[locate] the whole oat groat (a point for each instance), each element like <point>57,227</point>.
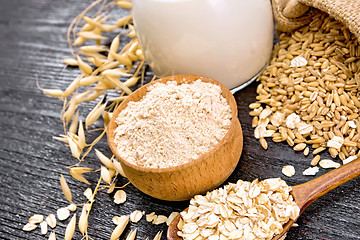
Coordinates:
<point>245,210</point>
<point>309,93</point>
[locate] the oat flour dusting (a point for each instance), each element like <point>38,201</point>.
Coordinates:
<point>172,124</point>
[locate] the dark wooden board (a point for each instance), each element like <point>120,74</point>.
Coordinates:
<point>32,43</point>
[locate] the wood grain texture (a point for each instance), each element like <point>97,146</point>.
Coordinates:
<point>33,42</point>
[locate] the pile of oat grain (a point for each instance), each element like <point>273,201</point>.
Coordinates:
<point>172,124</point>
<point>309,94</point>
<point>243,210</point>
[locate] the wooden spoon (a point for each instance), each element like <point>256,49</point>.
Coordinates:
<point>304,194</point>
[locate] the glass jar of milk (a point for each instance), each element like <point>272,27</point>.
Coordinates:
<point>227,40</point>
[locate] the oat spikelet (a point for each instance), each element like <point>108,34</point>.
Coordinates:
<point>132,234</point>
<point>74,123</point>
<point>86,81</point>
<point>53,92</point>
<point>65,188</point>
<point>123,21</point>
<point>158,236</point>
<point>124,4</point>
<point>52,236</point>
<point>119,84</point>
<point>75,151</point>
<point>105,174</point>
<point>70,229</point>
<point>113,47</point>
<point>71,62</point>
<point>131,81</point>
<point>104,160</point>
<point>94,114</point>
<point>69,113</point>
<point>83,221</point>
<point>71,88</point>
<point>84,67</point>
<point>76,172</point>
<point>119,229</point>
<point>119,168</point>
<point>81,134</point>
<point>117,72</point>
<point>93,48</point>
<point>122,59</point>
<point>111,188</point>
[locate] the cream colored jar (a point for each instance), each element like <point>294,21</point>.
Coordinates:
<point>227,40</point>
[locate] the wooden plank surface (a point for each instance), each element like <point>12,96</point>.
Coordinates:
<point>32,44</point>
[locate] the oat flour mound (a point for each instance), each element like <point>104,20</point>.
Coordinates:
<point>172,124</point>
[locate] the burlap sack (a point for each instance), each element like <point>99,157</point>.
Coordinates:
<point>292,14</point>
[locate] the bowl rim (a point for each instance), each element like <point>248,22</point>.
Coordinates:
<point>186,78</point>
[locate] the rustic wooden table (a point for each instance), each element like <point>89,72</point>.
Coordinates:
<point>32,43</point>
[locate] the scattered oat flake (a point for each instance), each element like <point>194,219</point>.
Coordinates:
<point>298,61</point>
<point>118,220</point>
<point>120,197</point>
<point>171,217</point>
<point>349,159</point>
<point>160,219</point>
<point>292,120</point>
<point>304,128</point>
<point>136,215</point>
<point>51,220</point>
<point>327,163</point>
<point>37,218</point>
<point>233,213</point>
<point>265,113</point>
<point>352,124</point>
<point>44,227</point>
<point>335,142</point>
<point>288,170</point>
<point>29,227</point>
<point>311,171</point>
<point>150,217</point>
<point>62,213</point>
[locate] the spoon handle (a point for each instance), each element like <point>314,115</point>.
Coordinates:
<point>306,193</point>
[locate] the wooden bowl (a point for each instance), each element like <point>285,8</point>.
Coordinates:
<point>198,176</point>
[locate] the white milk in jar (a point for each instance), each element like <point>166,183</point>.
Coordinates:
<point>227,40</point>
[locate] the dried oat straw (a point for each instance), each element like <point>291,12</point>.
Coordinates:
<point>194,116</point>
<point>245,210</point>
<point>309,94</point>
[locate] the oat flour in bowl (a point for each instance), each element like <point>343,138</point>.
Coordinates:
<point>172,124</point>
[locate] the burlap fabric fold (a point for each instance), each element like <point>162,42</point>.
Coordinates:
<point>292,14</point>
